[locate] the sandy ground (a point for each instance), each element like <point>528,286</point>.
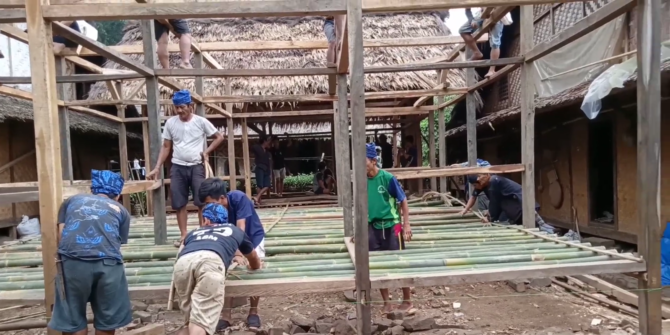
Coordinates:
<point>487,308</point>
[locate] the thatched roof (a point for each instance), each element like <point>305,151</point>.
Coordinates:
<point>568,97</point>
<point>22,110</point>
<point>304,29</point>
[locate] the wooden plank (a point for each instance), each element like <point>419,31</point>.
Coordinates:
<point>101,49</point>
<point>617,292</point>
<point>343,54</point>
<point>422,66</point>
<point>75,78</point>
<point>501,274</point>
<point>442,146</point>
<point>582,27</point>
<point>245,156</point>
<point>47,141</point>
<point>431,148</point>
<point>351,248</point>
<point>123,143</point>
<point>199,83</point>
<point>154,130</point>
<point>595,297</point>
<point>460,171</point>
<point>150,329</point>
<point>64,122</point>
<point>17,160</point>
<point>343,157</point>
<point>649,162</point>
<point>147,158</point>
<point>471,115</point>
<point>230,124</point>
<point>13,15</point>
<point>527,102</point>
<point>16,197</point>
<point>244,72</point>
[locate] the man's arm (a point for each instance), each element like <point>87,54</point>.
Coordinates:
<point>218,139</point>
<point>254,260</point>
<point>241,223</point>
<point>468,206</point>
<point>165,152</point>
<point>468,14</point>
<point>397,193</point>
<point>124,227</point>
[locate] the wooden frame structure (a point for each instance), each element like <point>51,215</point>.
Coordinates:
<point>51,134</point>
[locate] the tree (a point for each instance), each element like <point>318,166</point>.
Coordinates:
<point>109,32</point>
<point>425,149</point>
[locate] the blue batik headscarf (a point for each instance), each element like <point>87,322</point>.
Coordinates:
<point>106,182</point>
<point>182,97</point>
<point>215,213</point>
<point>371,151</point>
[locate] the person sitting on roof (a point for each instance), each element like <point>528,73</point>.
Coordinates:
<point>482,203</point>
<point>474,23</point>
<point>162,34</point>
<point>331,36</point>
<point>324,182</point>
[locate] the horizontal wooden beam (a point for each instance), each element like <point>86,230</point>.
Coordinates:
<point>458,171</point>
<point>22,195</point>
<point>442,66</point>
<point>582,27</point>
<point>76,78</point>
<point>12,15</point>
<point>244,72</point>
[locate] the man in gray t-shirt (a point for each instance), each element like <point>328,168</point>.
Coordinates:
<point>186,135</point>
<point>263,171</point>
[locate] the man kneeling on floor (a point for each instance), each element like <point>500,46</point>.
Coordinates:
<point>242,214</point>
<point>385,231</point>
<point>90,263</point>
<point>200,269</point>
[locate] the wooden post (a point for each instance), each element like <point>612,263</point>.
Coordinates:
<point>154,125</point>
<point>47,141</point>
<point>64,93</point>
<point>343,155</point>
<point>245,153</point>
<point>431,148</point>
<point>360,191</point>
<point>442,143</point>
<point>649,162</point>
<point>232,172</point>
<point>527,120</point>
<point>199,85</point>
<point>471,113</point>
<point>123,143</point>
<point>147,159</point>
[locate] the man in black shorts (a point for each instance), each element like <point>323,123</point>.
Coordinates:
<point>162,31</point>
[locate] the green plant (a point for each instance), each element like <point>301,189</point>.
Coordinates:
<point>139,199</point>
<point>300,182</point>
<point>424,127</point>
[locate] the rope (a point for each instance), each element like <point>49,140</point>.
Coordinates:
<point>432,194</point>
<point>281,215</point>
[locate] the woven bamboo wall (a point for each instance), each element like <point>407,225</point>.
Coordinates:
<point>16,139</point>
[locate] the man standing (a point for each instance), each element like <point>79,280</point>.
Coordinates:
<point>162,32</point>
<point>411,154</point>
<point>263,170</point>
<point>200,270</point>
<point>387,151</point>
<point>475,22</point>
<point>242,214</point>
<point>187,133</point>
<point>278,165</point>
<point>89,250</point>
<point>386,230</point>
<point>505,200</point>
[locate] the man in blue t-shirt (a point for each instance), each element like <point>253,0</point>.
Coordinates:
<point>200,269</point>
<point>242,214</point>
<point>94,227</point>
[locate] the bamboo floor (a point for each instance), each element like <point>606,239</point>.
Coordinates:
<point>307,253</point>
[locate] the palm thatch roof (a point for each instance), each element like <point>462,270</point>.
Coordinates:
<point>22,110</point>
<point>303,29</point>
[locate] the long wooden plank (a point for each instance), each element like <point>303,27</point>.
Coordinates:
<point>527,102</point>
<point>230,128</point>
<point>244,72</point>
<point>101,49</point>
<point>649,162</point>
<point>442,66</point>
<point>582,27</point>
<point>76,78</point>
<point>617,292</point>
<point>245,157</point>
<point>471,115</point>
<point>12,15</point>
<point>451,172</point>
<point>64,92</point>
<point>431,148</point>
<point>343,157</point>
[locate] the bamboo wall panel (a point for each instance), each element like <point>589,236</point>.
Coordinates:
<point>5,210</point>
<point>626,184</point>
<point>580,169</point>
<point>23,141</point>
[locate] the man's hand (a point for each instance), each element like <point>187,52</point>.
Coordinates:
<point>461,213</point>
<point>486,221</point>
<point>407,231</point>
<point>205,158</point>
<point>474,24</point>
<point>152,174</point>
<point>240,260</point>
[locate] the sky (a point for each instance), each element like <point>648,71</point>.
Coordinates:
<point>456,19</point>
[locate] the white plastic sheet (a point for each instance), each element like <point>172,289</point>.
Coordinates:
<point>28,227</point>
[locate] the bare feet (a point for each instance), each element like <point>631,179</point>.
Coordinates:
<point>407,308</point>
<point>489,74</point>
<point>185,66</point>
<point>388,308</point>
<point>477,56</point>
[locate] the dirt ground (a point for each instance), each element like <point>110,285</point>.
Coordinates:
<point>487,308</point>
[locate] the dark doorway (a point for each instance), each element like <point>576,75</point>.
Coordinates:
<point>602,172</point>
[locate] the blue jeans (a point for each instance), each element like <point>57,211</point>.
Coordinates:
<point>263,177</point>
<point>495,34</point>
<point>329,30</point>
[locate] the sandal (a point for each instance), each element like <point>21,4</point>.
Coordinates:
<point>254,321</point>
<point>177,243</point>
<point>222,325</point>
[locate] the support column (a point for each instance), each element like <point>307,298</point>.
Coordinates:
<point>471,113</point>
<point>245,153</point>
<point>431,148</point>
<point>648,162</point>
<point>123,143</point>
<point>343,155</point>
<point>442,145</point>
<point>65,91</point>
<point>199,85</point>
<point>527,120</point>
<point>154,125</point>
<point>360,191</point>
<point>147,158</point>
<point>230,124</point>
<point>47,141</point>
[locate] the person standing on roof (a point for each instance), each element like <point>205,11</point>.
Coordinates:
<point>475,23</point>
<point>200,270</point>
<point>187,134</point>
<point>162,32</point>
<point>89,250</point>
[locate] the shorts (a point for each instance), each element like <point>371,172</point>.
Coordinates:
<point>385,239</point>
<point>182,179</point>
<point>280,173</point>
<point>260,249</point>
<point>199,280</point>
<point>263,177</point>
<point>180,27</point>
<point>99,282</point>
<point>329,30</point>
<point>319,190</point>
<point>495,34</point>
<point>63,40</point>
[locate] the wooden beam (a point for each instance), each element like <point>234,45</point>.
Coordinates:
<point>343,156</point>
<point>411,67</point>
<point>199,83</point>
<point>471,115</point>
<point>101,49</point>
<point>230,124</point>
<point>527,102</point>
<point>245,157</point>
<point>123,143</point>
<point>431,148</point>
<point>17,160</point>
<point>649,162</point>
<point>244,72</point>
<point>65,93</point>
<point>47,142</point>
<point>582,27</point>
<point>12,15</point>
<point>343,45</point>
<point>617,292</point>
<point>459,171</point>
<point>154,130</point>
<point>76,78</point>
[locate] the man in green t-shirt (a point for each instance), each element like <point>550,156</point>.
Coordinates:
<point>386,231</point>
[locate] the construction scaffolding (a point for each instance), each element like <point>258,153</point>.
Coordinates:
<point>349,113</point>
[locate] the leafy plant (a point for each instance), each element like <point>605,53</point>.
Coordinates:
<point>424,128</point>
<point>300,182</point>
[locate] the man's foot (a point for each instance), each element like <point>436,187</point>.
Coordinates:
<point>388,308</point>
<point>253,321</point>
<point>222,325</point>
<point>477,56</point>
<point>407,308</point>
<point>177,243</point>
<point>331,64</point>
<point>185,66</point>
<point>489,74</point>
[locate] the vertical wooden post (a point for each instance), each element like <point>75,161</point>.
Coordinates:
<point>47,140</point>
<point>442,143</point>
<point>154,125</point>
<point>648,162</point>
<point>64,93</point>
<point>147,159</point>
<point>431,148</point>
<point>343,155</point>
<point>360,192</point>
<point>245,153</point>
<point>230,124</point>
<point>199,85</point>
<point>471,113</point>
<point>527,120</point>
<point>123,142</point>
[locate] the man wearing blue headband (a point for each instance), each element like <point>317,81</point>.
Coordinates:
<point>200,270</point>
<point>186,136</point>
<point>386,230</point>
<point>94,226</point>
